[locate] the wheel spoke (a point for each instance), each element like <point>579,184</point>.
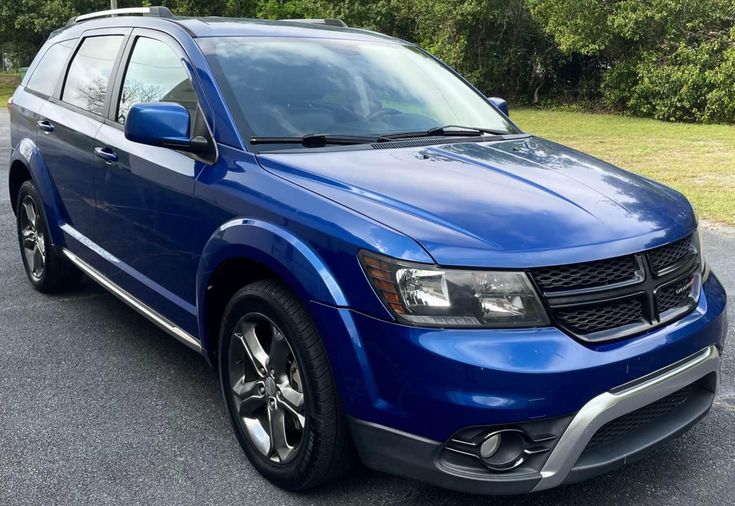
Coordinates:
<point>253,349</point>
<point>38,261</point>
<point>259,434</point>
<point>279,352</point>
<point>249,396</point>
<point>41,246</point>
<point>293,402</point>
<point>30,211</point>
<point>279,444</point>
<point>29,238</point>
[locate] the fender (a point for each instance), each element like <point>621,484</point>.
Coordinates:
<point>28,154</point>
<point>274,247</point>
<point>306,274</point>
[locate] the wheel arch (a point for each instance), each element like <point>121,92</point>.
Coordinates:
<point>26,164</point>
<point>18,175</point>
<point>242,251</point>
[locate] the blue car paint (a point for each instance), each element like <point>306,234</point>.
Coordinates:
<point>461,378</point>
<point>150,123</point>
<point>280,227</point>
<point>514,204</point>
<point>520,203</point>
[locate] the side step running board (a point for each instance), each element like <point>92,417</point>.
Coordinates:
<point>134,303</point>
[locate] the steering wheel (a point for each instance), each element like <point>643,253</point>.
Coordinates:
<point>340,112</point>
<point>381,113</point>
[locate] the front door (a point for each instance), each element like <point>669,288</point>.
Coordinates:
<point>146,212</point>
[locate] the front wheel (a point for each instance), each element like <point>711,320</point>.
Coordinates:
<point>279,389</point>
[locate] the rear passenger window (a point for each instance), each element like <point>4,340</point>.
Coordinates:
<point>155,74</point>
<point>49,69</point>
<point>89,72</point>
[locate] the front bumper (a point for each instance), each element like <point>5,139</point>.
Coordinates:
<point>409,391</point>
<point>407,455</point>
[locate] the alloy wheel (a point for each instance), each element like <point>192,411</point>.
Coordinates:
<point>31,230</point>
<point>266,388</point>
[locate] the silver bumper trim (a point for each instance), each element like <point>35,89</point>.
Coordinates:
<point>618,402</point>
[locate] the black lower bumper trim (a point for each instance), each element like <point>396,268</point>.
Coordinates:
<point>409,456</point>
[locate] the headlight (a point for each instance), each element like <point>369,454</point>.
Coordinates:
<point>422,294</point>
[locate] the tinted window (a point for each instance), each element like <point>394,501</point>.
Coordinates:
<point>49,69</point>
<point>155,74</point>
<point>89,73</point>
<point>292,87</point>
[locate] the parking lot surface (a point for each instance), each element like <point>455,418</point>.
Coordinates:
<point>97,406</point>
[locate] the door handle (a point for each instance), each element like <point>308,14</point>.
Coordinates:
<point>106,154</point>
<point>45,125</point>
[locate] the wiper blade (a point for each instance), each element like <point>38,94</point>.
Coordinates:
<point>315,140</point>
<point>463,130</point>
<point>447,131</point>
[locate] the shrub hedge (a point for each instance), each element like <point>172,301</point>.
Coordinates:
<point>668,59</point>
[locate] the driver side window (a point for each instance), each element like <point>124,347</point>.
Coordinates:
<point>155,74</point>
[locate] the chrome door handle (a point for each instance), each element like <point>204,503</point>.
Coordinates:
<point>45,125</point>
<point>106,154</point>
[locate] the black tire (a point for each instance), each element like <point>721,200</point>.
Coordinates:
<point>56,273</point>
<point>325,449</point>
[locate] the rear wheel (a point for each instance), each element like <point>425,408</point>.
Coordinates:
<point>46,269</point>
<point>279,389</point>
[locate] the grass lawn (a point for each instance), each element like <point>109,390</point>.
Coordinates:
<point>698,160</point>
<point>8,83</point>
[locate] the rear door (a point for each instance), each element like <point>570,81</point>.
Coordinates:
<point>146,211</point>
<point>69,123</point>
<point>42,83</point>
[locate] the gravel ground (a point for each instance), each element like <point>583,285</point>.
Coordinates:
<point>98,406</point>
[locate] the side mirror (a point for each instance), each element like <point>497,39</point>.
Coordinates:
<point>500,104</point>
<point>163,124</point>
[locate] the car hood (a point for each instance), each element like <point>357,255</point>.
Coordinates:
<point>514,203</point>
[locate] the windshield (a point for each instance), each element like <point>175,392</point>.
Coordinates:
<point>292,87</point>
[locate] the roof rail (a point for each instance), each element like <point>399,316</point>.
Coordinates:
<point>156,12</point>
<point>330,22</point>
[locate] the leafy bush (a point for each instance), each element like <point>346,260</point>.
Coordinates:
<point>675,87</point>
<point>721,99</point>
<point>667,59</point>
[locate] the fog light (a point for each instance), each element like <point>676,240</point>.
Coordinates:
<point>503,450</point>
<point>490,446</point>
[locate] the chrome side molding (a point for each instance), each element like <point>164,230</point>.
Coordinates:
<point>134,303</point>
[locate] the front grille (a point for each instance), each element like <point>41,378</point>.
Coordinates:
<point>668,299</point>
<point>575,276</point>
<point>670,254</point>
<point>626,424</point>
<point>603,317</point>
<point>615,298</point>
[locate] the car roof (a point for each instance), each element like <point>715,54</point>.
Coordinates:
<point>218,27</point>
<point>201,27</point>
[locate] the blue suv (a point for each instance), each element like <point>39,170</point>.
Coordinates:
<point>378,262</point>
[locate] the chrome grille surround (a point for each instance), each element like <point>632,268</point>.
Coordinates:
<point>623,296</point>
